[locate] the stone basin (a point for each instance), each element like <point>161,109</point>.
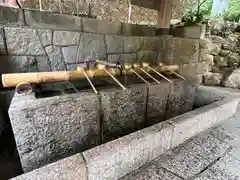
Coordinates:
<point>113,132</point>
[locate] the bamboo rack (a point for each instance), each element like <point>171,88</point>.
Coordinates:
<point>13,79</point>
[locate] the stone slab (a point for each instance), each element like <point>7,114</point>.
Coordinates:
<point>66,38</point>
<point>70,168</point>
<point>205,96</point>
<point>123,112</point>
<point>138,30</point>
<point>151,171</point>
<point>101,26</point>
<point>114,44</point>
<point>2,43</point>
<point>117,158</point>
<point>157,102</point>
<point>147,56</point>
<point>48,20</point>
<point>181,99</point>
<point>11,16</point>
<point>48,129</point>
<point>92,43</point>
<point>227,168</point>
<point>45,36</point>
<point>132,44</point>
<point>56,58</point>
<point>43,64</point>
<point>191,158</point>
<point>192,123</point>
<point>70,54</point>
<point>23,41</point>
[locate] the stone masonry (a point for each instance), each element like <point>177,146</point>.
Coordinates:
<point>42,41</point>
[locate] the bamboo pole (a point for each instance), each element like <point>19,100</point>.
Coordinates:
<point>12,80</point>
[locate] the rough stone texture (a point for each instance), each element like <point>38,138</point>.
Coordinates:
<point>114,44</point>
<point>70,54</point>
<point>190,159</point>
<point>23,41</point>
<point>55,57</point>
<point>117,158</point>
<point>123,111</point>
<point>151,172</point>
<point>194,68</point>
<point>190,124</point>
<point>129,58</point>
<point>132,44</point>
<point>212,79</point>
<point>101,27</point>
<point>65,38</point>
<point>11,16</point>
<point>152,43</point>
<point>138,30</point>
<point>45,36</point>
<point>157,102</point>
<point>69,168</point>
<point>227,168</point>
<point>51,128</point>
<point>185,50</point>
<point>92,43</point>
<point>181,99</point>
<point>18,64</point>
<point>205,96</point>
<point>147,56</point>
<point>2,45</point>
<point>233,79</point>
<point>37,19</point>
<point>43,64</point>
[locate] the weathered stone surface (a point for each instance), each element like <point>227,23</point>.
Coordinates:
<point>123,111</point>
<point>152,43</point>
<point>18,64</point>
<point>48,20</point>
<point>101,27</point>
<point>181,99</point>
<point>114,44</point>
<point>138,30</point>
<point>115,58</point>
<point>132,44</point>
<point>233,80</point>
<point>64,38</point>
<point>51,128</point>
<point>234,60</point>
<point>216,48</point>
<point>151,171</point>
<point>192,157</point>
<point>70,54</point>
<point>11,16</point>
<point>185,50</point>
<point>224,52</point>
<point>120,157</point>
<point>56,58</point>
<point>227,168</point>
<point>129,58</point>
<point>23,41</point>
<point>43,63</point>
<point>157,102</point>
<point>45,36</point>
<point>69,168</point>
<point>190,124</point>
<point>212,79</point>
<point>147,56</point>
<point>92,43</point>
<point>194,68</point>
<point>209,59</point>
<point>205,96</point>
<point>71,67</point>
<point>2,45</point>
<point>205,44</point>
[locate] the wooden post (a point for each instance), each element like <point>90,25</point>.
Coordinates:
<point>164,16</point>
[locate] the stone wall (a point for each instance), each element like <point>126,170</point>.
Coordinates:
<point>112,10</point>
<point>42,41</point>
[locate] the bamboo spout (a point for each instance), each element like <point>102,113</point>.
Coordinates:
<point>12,80</point>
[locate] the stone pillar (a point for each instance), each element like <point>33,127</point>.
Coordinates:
<point>164,16</point>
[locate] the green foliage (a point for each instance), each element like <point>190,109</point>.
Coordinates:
<point>233,11</point>
<point>199,13</point>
